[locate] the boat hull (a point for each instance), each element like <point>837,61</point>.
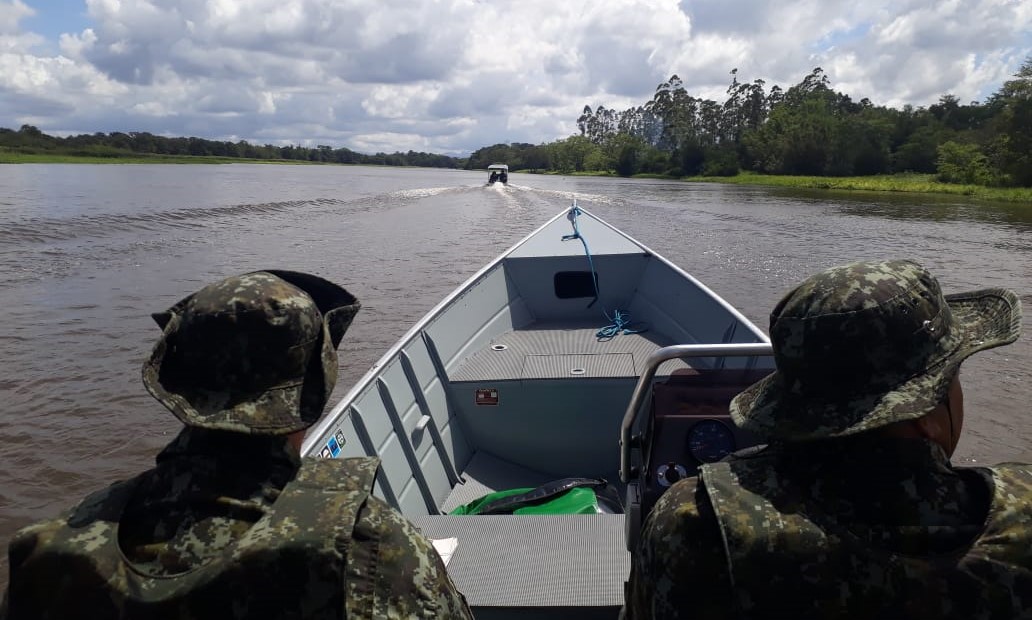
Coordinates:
<point>507,384</point>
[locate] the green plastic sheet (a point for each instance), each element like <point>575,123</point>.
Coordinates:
<point>578,501</point>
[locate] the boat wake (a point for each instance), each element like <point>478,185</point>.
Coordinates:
<point>48,229</point>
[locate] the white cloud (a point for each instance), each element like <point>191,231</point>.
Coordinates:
<point>75,45</point>
<point>12,38</point>
<point>399,101</point>
<point>453,75</point>
<point>11,13</point>
<point>373,142</point>
<point>28,75</point>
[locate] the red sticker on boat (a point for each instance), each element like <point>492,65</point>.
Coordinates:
<point>487,396</point>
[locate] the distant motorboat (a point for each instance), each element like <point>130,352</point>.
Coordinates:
<point>499,173</point>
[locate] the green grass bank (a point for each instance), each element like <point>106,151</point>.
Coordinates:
<point>914,183</point>
<point>903,183</point>
<point>12,157</point>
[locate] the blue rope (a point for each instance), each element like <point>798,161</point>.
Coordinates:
<point>620,322</point>
<point>574,212</point>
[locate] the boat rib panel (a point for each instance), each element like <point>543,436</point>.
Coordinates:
<point>411,499</point>
<point>452,436</point>
<point>407,449</point>
<point>382,488</point>
<point>419,358</point>
<point>441,399</point>
<point>429,428</point>
<point>437,403</point>
<point>436,477</point>
<point>435,460</point>
<point>376,421</point>
<point>395,469</point>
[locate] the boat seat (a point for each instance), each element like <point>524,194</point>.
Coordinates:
<point>541,566</point>
<point>551,350</point>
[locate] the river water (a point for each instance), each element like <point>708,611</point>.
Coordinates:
<point>88,252</point>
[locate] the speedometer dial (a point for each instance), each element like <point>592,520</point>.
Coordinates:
<point>710,440</point>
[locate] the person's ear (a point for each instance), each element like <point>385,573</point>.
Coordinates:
<point>935,426</point>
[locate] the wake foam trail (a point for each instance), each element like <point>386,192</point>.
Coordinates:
<point>44,229</point>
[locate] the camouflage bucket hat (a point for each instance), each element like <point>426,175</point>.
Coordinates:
<point>868,344</point>
<point>252,354</point>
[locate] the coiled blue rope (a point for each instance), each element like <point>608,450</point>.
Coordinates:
<point>620,322</point>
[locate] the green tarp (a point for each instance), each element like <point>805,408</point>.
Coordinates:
<point>576,501</point>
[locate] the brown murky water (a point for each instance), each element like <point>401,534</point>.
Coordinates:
<point>88,252</point>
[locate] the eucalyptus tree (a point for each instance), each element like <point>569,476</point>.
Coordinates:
<point>745,108</point>
<point>599,125</point>
<point>1013,145</point>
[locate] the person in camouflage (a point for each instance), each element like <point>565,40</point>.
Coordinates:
<point>232,522</point>
<point>853,510</point>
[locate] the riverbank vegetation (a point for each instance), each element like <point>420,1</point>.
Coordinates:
<point>808,136</point>
<point>908,182</point>
<point>29,144</point>
<point>808,130</point>
<point>8,156</point>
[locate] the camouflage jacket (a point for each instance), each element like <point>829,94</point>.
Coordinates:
<point>856,528</point>
<point>262,534</point>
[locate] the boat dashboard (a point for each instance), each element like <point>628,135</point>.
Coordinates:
<point>690,426</point>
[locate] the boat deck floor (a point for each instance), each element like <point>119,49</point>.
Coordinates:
<point>486,474</point>
<point>561,350</point>
<point>540,566</point>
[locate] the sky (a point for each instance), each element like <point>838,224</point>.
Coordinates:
<point>451,76</point>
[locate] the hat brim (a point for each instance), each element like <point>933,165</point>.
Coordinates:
<point>294,404</point>
<point>983,319</point>
<point>336,304</point>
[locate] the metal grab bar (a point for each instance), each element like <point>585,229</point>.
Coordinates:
<point>652,365</point>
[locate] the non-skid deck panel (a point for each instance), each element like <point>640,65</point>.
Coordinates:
<point>535,561</point>
<point>569,345</point>
<point>485,474</point>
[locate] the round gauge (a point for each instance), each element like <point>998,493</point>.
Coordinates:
<point>710,440</point>
<point>669,473</point>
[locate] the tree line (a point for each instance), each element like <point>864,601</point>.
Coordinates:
<point>808,129</point>
<point>31,140</point>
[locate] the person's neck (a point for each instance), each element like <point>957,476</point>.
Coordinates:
<point>229,446</point>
